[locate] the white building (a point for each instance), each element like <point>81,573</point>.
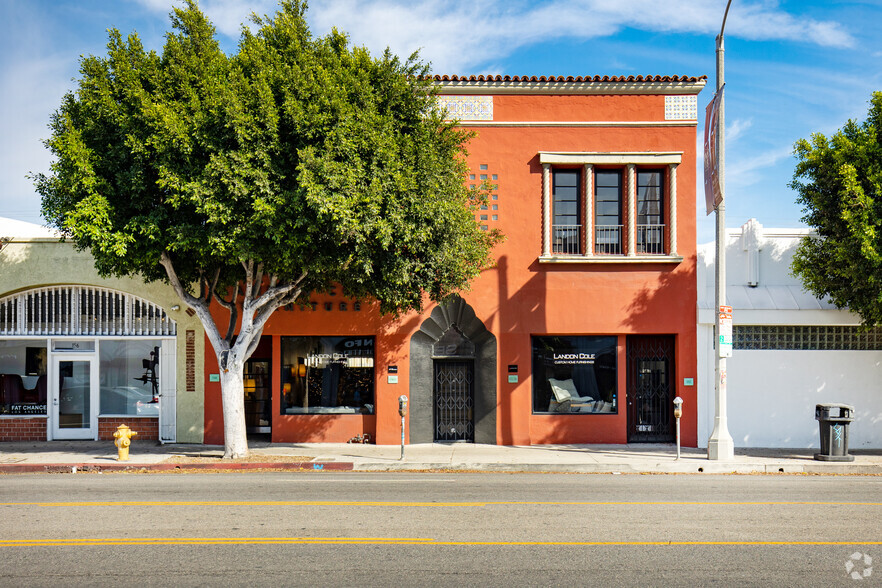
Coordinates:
<point>791,350</point>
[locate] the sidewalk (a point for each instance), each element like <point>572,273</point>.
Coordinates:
<point>100,456</point>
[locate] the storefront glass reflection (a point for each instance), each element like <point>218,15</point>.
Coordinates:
<point>327,375</point>
<point>129,375</point>
<point>23,388</point>
<point>574,375</point>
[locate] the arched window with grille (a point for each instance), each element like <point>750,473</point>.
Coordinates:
<point>81,310</point>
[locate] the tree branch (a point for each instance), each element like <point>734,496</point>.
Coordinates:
<point>258,281</point>
<point>249,280</point>
<point>255,341</point>
<point>276,291</point>
<point>275,297</point>
<point>233,309</point>
<point>197,304</point>
<point>184,293</point>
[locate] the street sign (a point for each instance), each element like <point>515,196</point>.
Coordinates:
<point>724,345</point>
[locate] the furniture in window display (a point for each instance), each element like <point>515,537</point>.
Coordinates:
<point>17,399</point>
<point>257,396</point>
<point>38,393</point>
<point>565,394</point>
<point>13,389</point>
<point>567,399</point>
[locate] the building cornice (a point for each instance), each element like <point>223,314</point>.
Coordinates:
<point>611,158</point>
<point>569,85</point>
<point>580,123</point>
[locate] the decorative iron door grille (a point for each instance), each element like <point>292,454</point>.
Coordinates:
<point>454,401</point>
<point>650,381</point>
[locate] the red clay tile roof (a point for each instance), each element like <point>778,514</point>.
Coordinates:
<point>577,79</point>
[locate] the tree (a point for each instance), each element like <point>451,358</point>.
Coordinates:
<point>839,181</point>
<point>254,179</point>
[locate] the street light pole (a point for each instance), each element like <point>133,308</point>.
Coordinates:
<point>720,445</point>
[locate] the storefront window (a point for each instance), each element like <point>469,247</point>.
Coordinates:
<point>327,375</point>
<point>574,375</point>
<point>23,377</point>
<point>129,375</point>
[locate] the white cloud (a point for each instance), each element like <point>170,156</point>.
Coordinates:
<point>34,79</point>
<point>457,35</point>
<point>736,129</point>
<point>744,171</point>
<point>228,16</point>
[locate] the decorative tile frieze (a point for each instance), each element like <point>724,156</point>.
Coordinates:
<point>681,107</point>
<point>468,107</point>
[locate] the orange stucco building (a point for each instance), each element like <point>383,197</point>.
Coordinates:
<point>583,332</point>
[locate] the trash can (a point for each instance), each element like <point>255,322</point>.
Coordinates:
<point>834,431</point>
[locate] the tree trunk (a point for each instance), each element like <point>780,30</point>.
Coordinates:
<point>233,396</point>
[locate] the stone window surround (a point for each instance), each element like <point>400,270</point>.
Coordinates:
<point>630,161</point>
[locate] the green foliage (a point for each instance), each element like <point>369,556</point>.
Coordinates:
<point>839,181</point>
<point>304,155</point>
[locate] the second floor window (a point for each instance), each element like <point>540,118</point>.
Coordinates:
<point>566,227</point>
<point>610,207</point>
<point>650,214</point>
<point>608,212</point>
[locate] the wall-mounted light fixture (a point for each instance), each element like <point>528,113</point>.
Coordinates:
<point>176,307</point>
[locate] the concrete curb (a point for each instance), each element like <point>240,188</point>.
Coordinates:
<point>74,468</point>
<point>693,468</point>
<point>660,468</point>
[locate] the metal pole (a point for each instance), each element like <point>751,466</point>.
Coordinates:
<point>678,438</point>
<point>402,437</point>
<point>720,445</point>
<point>678,412</point>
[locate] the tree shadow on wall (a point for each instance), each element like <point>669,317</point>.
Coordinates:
<point>667,305</point>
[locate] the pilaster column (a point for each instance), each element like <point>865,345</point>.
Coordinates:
<point>546,209</point>
<point>672,198</point>
<point>631,245</point>
<point>588,173</point>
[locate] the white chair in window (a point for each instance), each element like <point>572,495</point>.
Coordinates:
<point>565,392</point>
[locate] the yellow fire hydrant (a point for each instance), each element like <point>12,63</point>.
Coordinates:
<point>123,438</point>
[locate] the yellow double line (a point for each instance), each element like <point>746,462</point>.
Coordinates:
<point>436,504</point>
<point>208,541</point>
<point>392,541</point>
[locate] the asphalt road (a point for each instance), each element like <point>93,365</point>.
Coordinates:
<point>396,529</point>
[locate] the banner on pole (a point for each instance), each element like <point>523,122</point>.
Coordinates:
<point>713,194</point>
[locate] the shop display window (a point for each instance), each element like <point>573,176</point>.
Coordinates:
<point>23,388</point>
<point>327,375</point>
<point>129,376</point>
<point>574,375</point>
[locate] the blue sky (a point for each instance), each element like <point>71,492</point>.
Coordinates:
<point>793,67</point>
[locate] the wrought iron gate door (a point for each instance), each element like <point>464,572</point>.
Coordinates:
<point>454,401</point>
<point>650,382</point>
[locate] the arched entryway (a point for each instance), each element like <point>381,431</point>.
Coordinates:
<point>453,377</point>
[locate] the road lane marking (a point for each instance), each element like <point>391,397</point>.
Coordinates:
<point>207,541</point>
<point>399,541</point>
<point>418,504</point>
<point>309,478</point>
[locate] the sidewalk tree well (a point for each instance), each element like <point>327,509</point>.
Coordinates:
<point>839,181</point>
<point>254,179</point>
